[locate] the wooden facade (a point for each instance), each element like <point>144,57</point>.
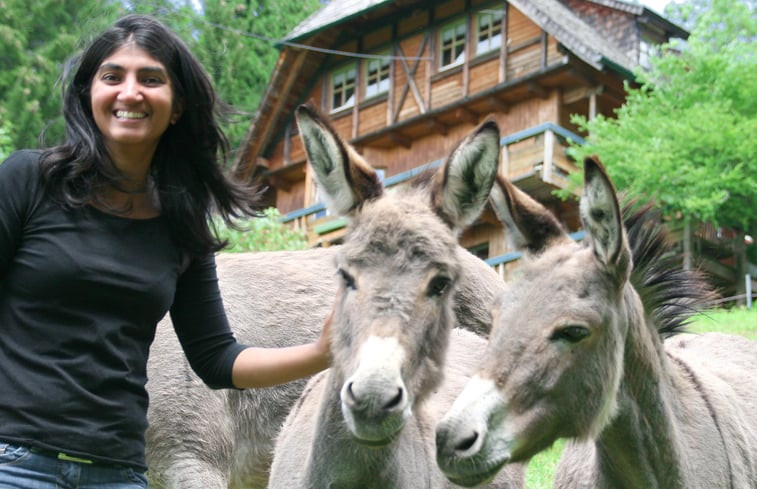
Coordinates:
<point>404,81</point>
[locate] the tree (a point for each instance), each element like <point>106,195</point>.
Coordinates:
<point>36,38</point>
<point>6,143</point>
<point>236,43</point>
<point>686,136</point>
<point>686,14</point>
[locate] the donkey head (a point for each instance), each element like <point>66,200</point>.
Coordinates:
<point>398,265</point>
<point>554,359</point>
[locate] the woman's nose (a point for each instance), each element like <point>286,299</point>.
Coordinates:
<point>130,90</point>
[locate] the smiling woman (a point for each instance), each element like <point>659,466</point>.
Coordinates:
<point>100,237</point>
<point>132,105</point>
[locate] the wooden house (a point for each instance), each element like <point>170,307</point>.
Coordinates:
<point>405,80</point>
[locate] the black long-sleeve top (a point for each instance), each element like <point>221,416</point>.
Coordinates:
<point>81,293</point>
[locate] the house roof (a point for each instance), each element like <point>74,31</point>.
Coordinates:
<point>334,12</point>
<point>340,11</point>
<point>296,62</point>
<point>574,33</point>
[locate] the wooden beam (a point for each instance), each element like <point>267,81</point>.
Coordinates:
<point>580,93</point>
<point>463,114</point>
<point>411,82</point>
<point>543,49</point>
<point>436,126</point>
<point>496,105</point>
<point>583,75</point>
<point>400,139</point>
<point>537,90</point>
<point>279,183</point>
<point>468,49</point>
<point>284,77</point>
<point>503,47</point>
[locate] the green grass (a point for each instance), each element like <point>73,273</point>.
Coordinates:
<point>741,321</point>
<point>541,470</point>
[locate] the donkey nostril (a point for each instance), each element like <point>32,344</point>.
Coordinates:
<point>396,400</point>
<point>350,396</point>
<point>466,443</point>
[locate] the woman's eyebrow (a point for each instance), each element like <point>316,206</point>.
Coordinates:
<point>143,70</point>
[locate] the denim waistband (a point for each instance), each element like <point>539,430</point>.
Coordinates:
<point>66,457</point>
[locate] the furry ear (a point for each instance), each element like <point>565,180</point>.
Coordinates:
<point>529,224</point>
<point>462,185</point>
<point>340,172</point>
<point>600,214</point>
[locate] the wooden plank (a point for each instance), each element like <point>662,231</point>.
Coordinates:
<point>502,72</point>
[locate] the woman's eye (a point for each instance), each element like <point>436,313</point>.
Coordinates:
<point>349,280</point>
<point>152,81</point>
<point>109,77</point>
<point>438,286</point>
<point>571,334</point>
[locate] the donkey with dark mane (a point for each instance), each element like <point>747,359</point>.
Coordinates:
<point>583,346</point>
<point>368,421</point>
<point>200,438</point>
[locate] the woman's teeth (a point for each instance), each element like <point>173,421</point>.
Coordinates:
<point>123,114</point>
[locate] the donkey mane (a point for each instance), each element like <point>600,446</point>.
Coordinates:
<point>670,295</point>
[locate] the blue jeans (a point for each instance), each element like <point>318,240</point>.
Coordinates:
<point>22,468</point>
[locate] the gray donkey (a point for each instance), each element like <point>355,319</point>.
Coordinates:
<point>582,347</point>
<point>368,422</point>
<point>211,439</point>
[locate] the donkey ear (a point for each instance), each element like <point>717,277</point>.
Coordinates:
<point>529,224</point>
<point>600,214</point>
<point>463,183</point>
<point>340,172</point>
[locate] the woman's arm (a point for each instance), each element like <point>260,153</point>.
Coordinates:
<point>264,367</point>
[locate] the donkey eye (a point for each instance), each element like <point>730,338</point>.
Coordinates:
<point>349,280</point>
<point>571,334</point>
<point>438,286</point>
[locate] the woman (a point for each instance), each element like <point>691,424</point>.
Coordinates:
<point>99,238</point>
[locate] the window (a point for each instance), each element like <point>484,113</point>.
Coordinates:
<point>343,88</point>
<point>489,27</point>
<point>647,49</point>
<point>377,76</point>
<point>452,37</point>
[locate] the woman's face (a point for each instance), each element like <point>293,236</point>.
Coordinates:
<point>132,100</point>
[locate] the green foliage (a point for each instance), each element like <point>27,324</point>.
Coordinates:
<point>686,137</point>
<point>6,143</point>
<point>236,43</point>
<point>265,233</point>
<point>36,38</point>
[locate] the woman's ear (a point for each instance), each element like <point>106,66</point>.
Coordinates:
<point>178,109</point>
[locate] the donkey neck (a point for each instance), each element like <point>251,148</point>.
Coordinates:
<point>641,448</point>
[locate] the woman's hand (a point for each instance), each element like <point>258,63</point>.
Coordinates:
<point>265,367</point>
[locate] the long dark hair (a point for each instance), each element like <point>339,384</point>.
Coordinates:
<point>187,165</point>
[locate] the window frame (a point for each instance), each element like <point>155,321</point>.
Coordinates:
<point>460,58</point>
<point>347,100</point>
<point>494,29</point>
<point>382,84</point>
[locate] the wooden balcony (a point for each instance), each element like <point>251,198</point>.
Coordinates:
<point>535,159</point>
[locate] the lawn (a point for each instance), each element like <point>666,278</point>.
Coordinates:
<point>742,321</point>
